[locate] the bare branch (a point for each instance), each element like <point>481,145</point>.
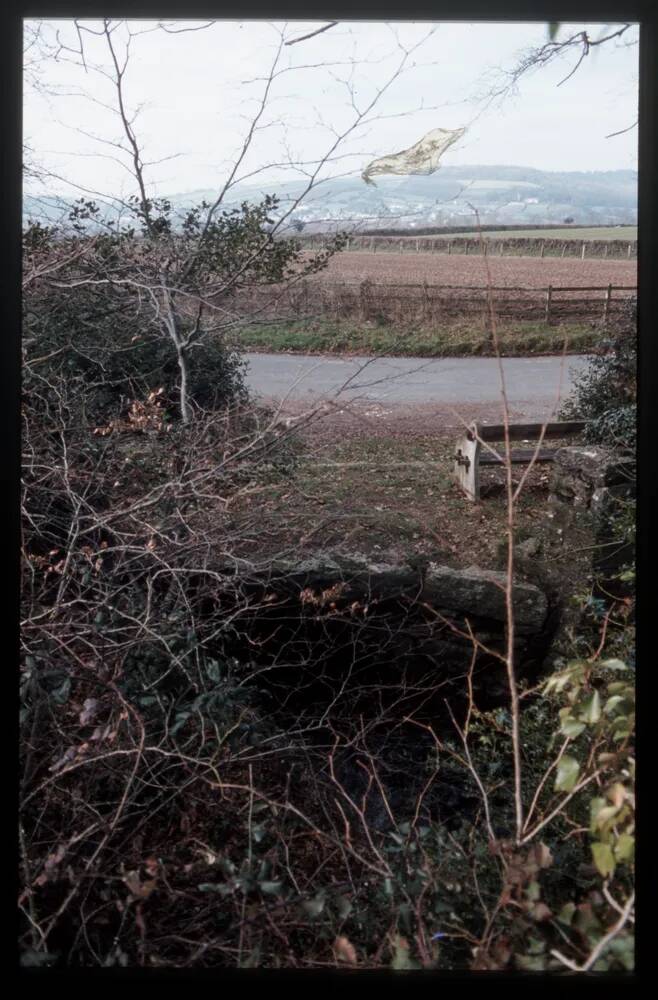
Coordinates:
<point>312,34</point>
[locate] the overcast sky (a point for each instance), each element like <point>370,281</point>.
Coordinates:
<point>198,92</point>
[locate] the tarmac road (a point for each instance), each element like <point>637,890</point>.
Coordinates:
<point>531,383</point>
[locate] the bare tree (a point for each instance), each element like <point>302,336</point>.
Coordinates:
<point>184,279</point>
<point>578,45</point>
<point>202,724</point>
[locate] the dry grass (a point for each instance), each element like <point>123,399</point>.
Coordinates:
<point>366,484</point>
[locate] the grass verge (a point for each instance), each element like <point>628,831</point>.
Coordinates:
<point>456,340</point>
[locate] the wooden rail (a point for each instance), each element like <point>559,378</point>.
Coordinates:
<point>473,451</point>
<point>428,302</point>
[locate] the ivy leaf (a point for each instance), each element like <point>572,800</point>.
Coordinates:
<point>314,907</point>
<point>533,892</point>
<point>568,725</point>
<point>271,888</point>
<point>595,807</point>
<point>591,709</point>
<point>213,670</point>
<point>219,887</point>
<point>603,859</point>
<point>614,664</point>
<point>61,694</point>
<point>612,703</point>
<point>567,774</point>
<point>625,847</point>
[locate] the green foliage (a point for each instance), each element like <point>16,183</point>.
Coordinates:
<point>458,338</point>
<point>125,307</point>
<point>605,393</point>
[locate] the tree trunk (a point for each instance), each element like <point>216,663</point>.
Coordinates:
<point>185,412</point>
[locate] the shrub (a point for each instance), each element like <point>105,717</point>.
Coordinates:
<point>605,393</point>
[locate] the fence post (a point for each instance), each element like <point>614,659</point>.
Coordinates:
<point>543,247</point>
<point>582,252</point>
<point>466,242</point>
<point>500,249</point>
<point>629,250</point>
<point>363,300</point>
<point>549,298</point>
<point>426,302</point>
<point>606,307</point>
<point>450,248</point>
<point>605,250</point>
<point>564,247</point>
<point>417,246</point>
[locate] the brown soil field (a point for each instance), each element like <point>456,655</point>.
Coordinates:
<point>511,272</point>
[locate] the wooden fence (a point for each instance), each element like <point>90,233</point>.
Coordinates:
<point>495,247</point>
<point>424,303</point>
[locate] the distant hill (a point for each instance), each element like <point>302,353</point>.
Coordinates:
<point>503,195</point>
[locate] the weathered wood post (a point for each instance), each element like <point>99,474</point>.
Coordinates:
<point>417,246</point>
<point>606,307</point>
<point>543,247</point>
<point>500,249</point>
<point>363,299</point>
<point>426,301</point>
<point>564,248</point>
<point>549,299</point>
<point>450,247</point>
<point>466,462</point>
<point>582,252</point>
<point>629,250</point>
<point>605,250</point>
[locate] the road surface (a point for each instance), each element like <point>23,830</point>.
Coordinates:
<point>532,383</point>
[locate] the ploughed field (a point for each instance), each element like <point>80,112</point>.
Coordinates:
<point>461,270</point>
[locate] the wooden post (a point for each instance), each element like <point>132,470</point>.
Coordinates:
<point>417,246</point>
<point>549,298</point>
<point>543,247</point>
<point>582,253</point>
<point>466,242</point>
<point>629,250</point>
<point>450,248</point>
<point>564,248</point>
<point>372,243</point>
<point>363,301</point>
<point>606,307</point>
<point>466,466</point>
<point>605,250</point>
<point>500,249</point>
<point>426,301</point>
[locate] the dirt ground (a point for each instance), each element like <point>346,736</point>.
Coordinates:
<point>522,272</point>
<point>379,483</point>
